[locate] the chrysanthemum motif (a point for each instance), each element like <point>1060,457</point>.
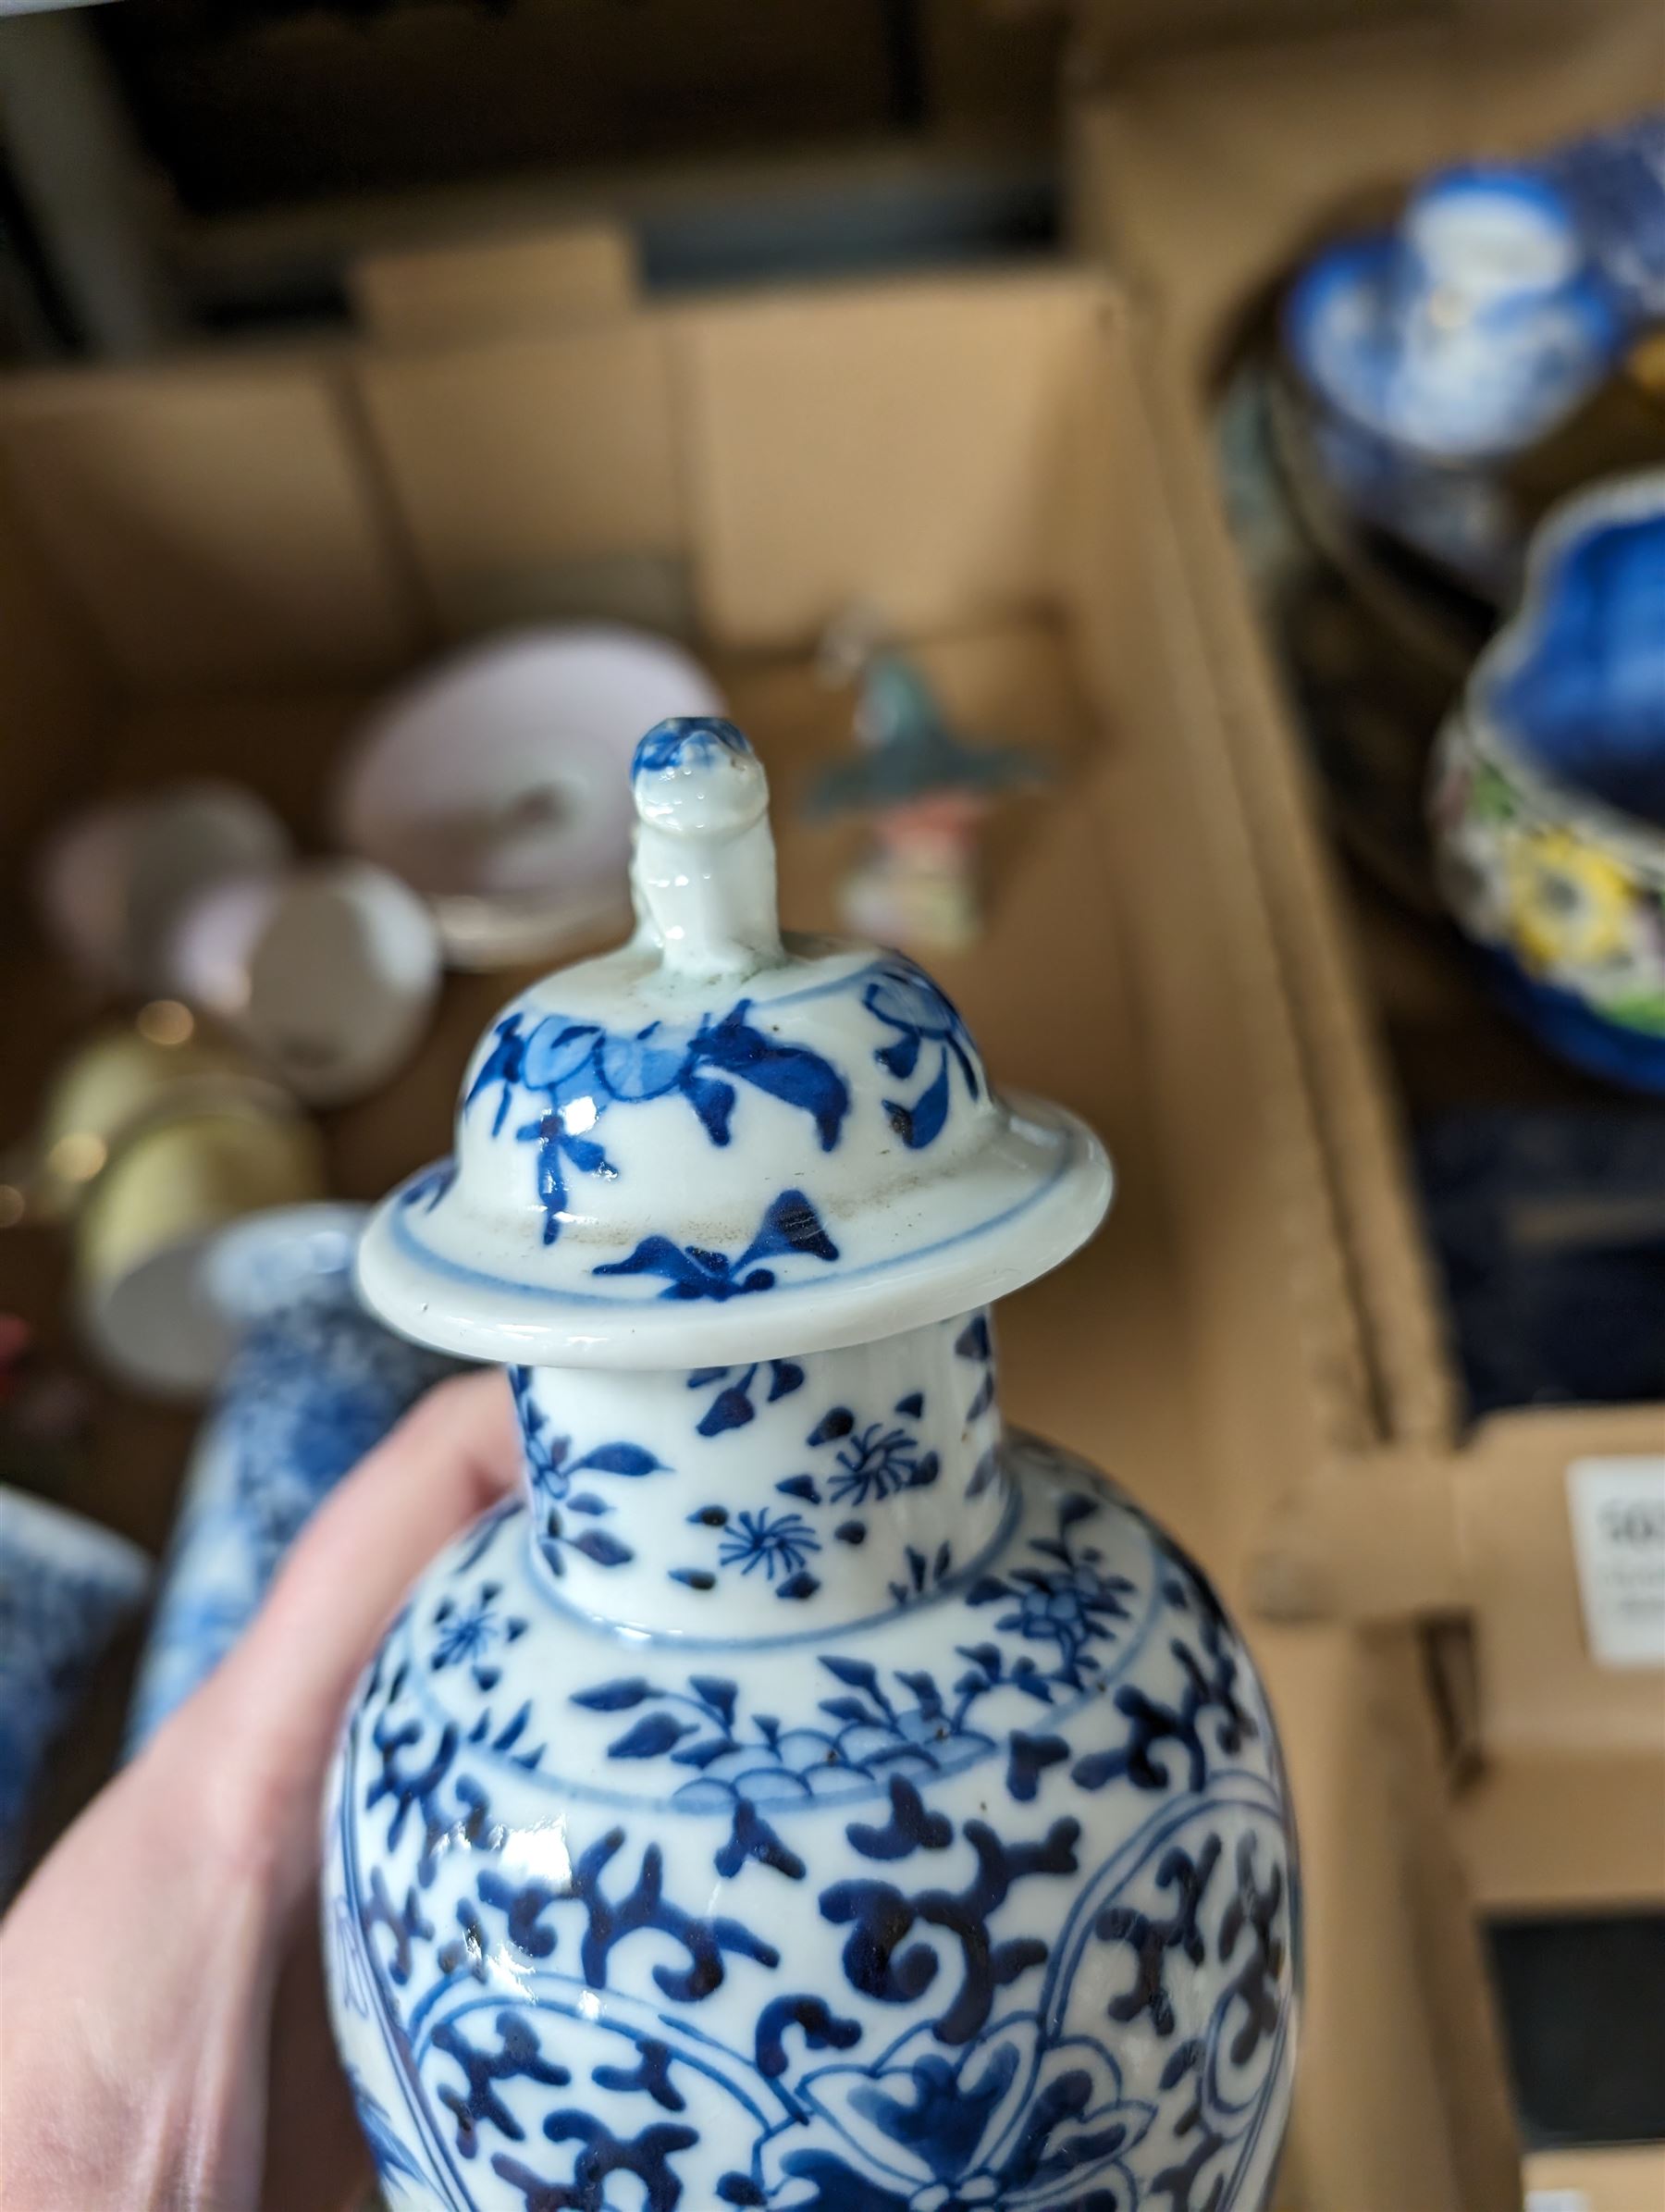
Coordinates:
<point>779,1543</point>
<point>466,1635</point>
<point>876,1462</point>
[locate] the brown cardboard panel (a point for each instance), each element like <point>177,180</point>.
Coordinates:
<point>1111,33</point>
<point>898,443</point>
<point>1541,1688</point>
<point>483,287</point>
<point>56,687</point>
<point>517,456</point>
<point>1564,1832</point>
<point>215,522</point>
<point>1207,171</point>
<point>1395,1991</point>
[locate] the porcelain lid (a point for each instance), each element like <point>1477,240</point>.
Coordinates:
<point>717,1144</point>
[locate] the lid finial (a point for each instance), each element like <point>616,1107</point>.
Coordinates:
<point>704,872</point>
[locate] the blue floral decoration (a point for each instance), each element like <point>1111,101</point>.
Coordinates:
<point>551,1468</point>
<point>905,1000</point>
<point>733,1406</point>
<point>580,1071</point>
<point>780,1542</point>
<point>790,1225</point>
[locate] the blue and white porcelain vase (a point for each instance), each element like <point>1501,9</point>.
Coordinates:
<point>809,1794</point>
<point>315,1381</point>
<point>67,1587</point>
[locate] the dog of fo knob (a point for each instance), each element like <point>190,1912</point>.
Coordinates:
<point>809,1794</point>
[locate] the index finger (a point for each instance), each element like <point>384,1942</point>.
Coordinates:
<point>267,1716</point>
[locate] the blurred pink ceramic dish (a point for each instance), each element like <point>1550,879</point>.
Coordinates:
<point>329,972</point>
<point>497,784</point>
<point>114,879</point>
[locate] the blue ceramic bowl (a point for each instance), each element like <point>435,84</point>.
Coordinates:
<point>1548,789</point>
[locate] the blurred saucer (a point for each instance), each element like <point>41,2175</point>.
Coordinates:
<point>329,972</point>
<point>495,783</point>
<point>113,879</point>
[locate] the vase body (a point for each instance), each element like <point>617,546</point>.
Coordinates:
<point>808,1797</point>
<point>316,1382</point>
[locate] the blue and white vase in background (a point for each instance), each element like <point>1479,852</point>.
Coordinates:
<point>1435,352</point>
<point>67,1587</point>
<point>809,1794</point>
<point>315,1381</point>
<point>1548,797</point>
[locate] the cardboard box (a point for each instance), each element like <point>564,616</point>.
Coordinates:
<point>1203,178</point>
<point>979,455</point>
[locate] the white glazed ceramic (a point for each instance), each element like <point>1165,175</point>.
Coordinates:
<point>809,1795</point>
<point>330,971</point>
<point>67,1586</point>
<point>150,1218</point>
<point>315,1382</point>
<point>114,880</point>
<point>496,783</point>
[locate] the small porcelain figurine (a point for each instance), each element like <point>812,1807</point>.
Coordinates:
<point>925,791</point>
<point>67,1586</point>
<point>809,1794</point>
<point>1548,788</point>
<point>314,1384</point>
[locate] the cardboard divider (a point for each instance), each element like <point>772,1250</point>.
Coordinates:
<point>216,521</point>
<point>517,457</point>
<point>490,287</point>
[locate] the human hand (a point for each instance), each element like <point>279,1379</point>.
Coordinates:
<point>162,2041</point>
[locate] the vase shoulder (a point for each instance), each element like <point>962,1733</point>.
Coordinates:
<point>1010,1861</point>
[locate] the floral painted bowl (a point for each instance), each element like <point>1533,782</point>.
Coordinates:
<point>1548,789</point>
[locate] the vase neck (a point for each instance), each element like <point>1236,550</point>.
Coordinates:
<point>751,1503</point>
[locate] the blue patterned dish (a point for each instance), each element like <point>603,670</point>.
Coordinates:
<point>809,1795</point>
<point>1466,335</point>
<point>67,1586</point>
<point>315,1382</point>
<point>1548,789</point>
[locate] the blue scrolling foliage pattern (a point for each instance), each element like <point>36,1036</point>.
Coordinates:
<point>580,1070</point>
<point>550,1470</point>
<point>789,1225</point>
<point>971,2050</point>
<point>921,1019</point>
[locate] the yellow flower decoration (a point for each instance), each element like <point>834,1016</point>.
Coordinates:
<point>1567,905</point>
